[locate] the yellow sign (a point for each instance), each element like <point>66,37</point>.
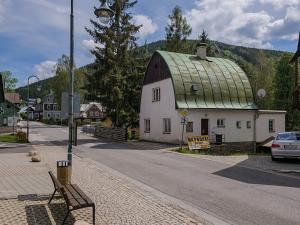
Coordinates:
<point>184,112</point>
<point>198,142</point>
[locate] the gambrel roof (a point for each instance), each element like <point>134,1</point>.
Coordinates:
<point>210,83</point>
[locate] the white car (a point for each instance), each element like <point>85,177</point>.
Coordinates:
<point>286,145</point>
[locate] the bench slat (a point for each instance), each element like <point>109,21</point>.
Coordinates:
<point>68,197</point>
<point>83,195</point>
<point>76,195</point>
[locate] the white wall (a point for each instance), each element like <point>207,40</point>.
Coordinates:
<point>262,127</point>
<point>156,111</point>
<point>230,131</point>
<point>165,108</point>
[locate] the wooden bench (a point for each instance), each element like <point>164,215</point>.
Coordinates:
<point>74,197</point>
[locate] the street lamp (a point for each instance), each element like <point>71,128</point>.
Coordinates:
<point>104,13</point>
<point>32,76</point>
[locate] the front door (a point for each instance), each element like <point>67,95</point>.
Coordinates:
<point>204,126</point>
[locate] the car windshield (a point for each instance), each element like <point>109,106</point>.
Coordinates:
<point>289,136</point>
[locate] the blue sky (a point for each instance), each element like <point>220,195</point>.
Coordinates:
<point>35,33</point>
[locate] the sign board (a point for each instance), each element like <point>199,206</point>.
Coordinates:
<point>1,89</point>
<point>65,105</point>
<point>198,142</point>
<point>184,112</point>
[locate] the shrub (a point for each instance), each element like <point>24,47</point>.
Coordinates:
<point>21,136</point>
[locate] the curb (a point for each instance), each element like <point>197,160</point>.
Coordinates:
<point>283,173</point>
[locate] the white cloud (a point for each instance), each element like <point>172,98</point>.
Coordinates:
<point>91,45</point>
<point>4,4</point>
<point>45,69</point>
<point>148,26</point>
<point>246,22</point>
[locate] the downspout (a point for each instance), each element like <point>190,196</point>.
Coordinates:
<point>255,117</point>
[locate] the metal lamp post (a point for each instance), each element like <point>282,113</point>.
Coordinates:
<point>32,76</point>
<point>104,13</point>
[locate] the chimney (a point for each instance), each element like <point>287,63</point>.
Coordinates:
<point>201,51</point>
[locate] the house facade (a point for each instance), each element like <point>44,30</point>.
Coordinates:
<point>8,112</point>
<point>92,110</point>
<point>216,94</point>
<point>51,109</point>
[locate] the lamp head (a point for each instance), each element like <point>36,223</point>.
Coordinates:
<point>104,13</point>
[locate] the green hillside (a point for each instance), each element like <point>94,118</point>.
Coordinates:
<point>258,64</point>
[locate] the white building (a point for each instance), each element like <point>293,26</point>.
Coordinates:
<point>215,91</point>
<point>51,108</point>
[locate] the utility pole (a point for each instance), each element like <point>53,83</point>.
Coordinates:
<point>71,84</point>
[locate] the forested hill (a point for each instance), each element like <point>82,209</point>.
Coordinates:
<point>258,64</point>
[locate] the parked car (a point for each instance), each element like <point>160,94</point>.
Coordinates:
<point>286,145</point>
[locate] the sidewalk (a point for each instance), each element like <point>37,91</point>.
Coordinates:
<point>25,187</point>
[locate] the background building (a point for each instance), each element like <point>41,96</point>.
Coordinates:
<point>51,109</point>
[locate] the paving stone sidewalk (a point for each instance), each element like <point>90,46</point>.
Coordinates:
<point>25,188</point>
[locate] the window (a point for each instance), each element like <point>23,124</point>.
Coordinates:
<point>48,107</point>
<point>146,126</point>
<point>221,123</point>
<point>238,124</point>
<point>97,114</point>
<point>155,94</point>
<point>91,114</point>
<point>271,126</point>
<point>248,124</point>
<point>54,107</point>
<point>167,126</point>
<point>189,127</point>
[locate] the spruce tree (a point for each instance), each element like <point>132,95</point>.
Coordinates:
<point>115,76</point>
<point>177,32</point>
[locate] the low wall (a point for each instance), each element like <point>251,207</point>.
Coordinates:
<point>4,130</point>
<point>231,147</point>
<point>111,133</point>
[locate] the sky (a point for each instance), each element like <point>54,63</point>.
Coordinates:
<point>35,33</point>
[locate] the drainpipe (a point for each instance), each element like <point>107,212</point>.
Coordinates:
<point>255,117</point>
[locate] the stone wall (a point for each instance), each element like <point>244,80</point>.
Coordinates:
<point>233,147</point>
<point>4,130</point>
<point>111,133</point>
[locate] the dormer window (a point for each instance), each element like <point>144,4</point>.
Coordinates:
<point>156,94</point>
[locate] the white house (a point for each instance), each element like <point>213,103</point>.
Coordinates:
<point>51,108</point>
<point>217,95</point>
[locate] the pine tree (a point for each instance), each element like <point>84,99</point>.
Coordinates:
<point>116,78</point>
<point>177,32</point>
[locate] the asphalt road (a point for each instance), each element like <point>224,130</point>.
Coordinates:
<point>235,194</point>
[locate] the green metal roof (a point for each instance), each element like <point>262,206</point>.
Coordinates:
<point>211,83</point>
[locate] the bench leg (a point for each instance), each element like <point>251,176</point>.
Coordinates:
<point>94,216</point>
<point>52,197</point>
<point>65,217</point>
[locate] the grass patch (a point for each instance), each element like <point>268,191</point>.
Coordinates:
<point>10,139</point>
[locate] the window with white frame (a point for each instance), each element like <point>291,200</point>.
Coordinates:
<point>189,127</point>
<point>147,126</point>
<point>167,126</point>
<point>221,123</point>
<point>248,124</point>
<point>156,94</point>
<point>238,124</point>
<point>271,126</point>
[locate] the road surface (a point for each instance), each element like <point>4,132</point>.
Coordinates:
<point>234,194</point>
